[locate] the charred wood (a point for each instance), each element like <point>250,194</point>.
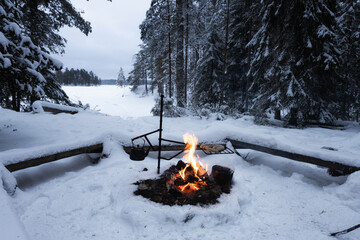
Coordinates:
<point>222,175</point>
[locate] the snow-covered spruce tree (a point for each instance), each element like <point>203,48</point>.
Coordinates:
<point>349,93</point>
<point>157,35</point>
<point>296,60</point>
<point>26,71</point>
<point>138,76</point>
<point>197,17</point>
<point>209,72</point>
<point>225,32</point>
<point>242,26</point>
<point>180,81</point>
<point>121,78</point>
<point>169,108</point>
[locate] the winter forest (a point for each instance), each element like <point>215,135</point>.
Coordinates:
<point>297,60</point>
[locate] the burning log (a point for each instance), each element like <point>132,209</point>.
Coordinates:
<point>180,165</point>
<point>222,175</point>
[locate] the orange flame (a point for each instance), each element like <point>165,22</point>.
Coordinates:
<point>191,145</point>
<point>190,158</point>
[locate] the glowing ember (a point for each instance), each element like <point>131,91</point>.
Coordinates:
<point>193,175</point>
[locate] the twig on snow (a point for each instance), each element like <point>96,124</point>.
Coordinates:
<point>345,231</point>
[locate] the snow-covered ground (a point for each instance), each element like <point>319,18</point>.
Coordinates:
<point>272,198</point>
<point>112,100</point>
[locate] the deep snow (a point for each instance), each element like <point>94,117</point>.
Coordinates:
<point>272,198</point>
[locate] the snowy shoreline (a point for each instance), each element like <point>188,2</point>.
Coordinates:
<point>271,198</point>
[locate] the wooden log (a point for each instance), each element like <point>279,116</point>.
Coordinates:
<point>222,175</point>
<point>335,167</point>
<point>42,106</point>
<point>56,111</point>
<point>32,162</point>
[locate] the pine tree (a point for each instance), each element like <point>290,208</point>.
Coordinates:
<point>156,34</point>
<point>209,73</point>
<point>26,71</point>
<point>138,75</point>
<point>180,81</point>
<point>242,24</point>
<point>296,59</point>
<point>349,93</point>
<point>121,78</point>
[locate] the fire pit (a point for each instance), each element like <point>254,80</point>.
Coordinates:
<point>187,182</point>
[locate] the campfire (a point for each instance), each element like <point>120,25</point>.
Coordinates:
<point>191,175</point>
<point>187,182</point>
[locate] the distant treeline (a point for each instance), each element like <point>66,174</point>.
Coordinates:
<point>77,77</point>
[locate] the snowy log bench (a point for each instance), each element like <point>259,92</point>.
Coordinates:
<point>18,159</point>
<point>334,168</point>
<point>34,159</point>
<point>42,106</point>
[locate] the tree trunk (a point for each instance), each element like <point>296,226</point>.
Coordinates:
<point>277,114</point>
<point>15,100</point>
<point>249,65</point>
<point>159,65</point>
<point>152,74</point>
<point>169,50</point>
<point>180,86</point>
<point>145,77</point>
<point>7,102</point>
<point>227,22</point>
<point>293,116</point>
<point>186,52</point>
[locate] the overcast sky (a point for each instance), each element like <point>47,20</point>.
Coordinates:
<point>114,39</point>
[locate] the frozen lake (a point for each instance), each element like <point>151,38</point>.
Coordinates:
<point>112,100</point>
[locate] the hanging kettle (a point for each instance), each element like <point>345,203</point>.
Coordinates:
<point>138,153</point>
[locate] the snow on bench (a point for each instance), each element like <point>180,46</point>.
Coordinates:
<point>335,168</point>
<point>42,106</point>
<point>17,159</point>
<point>301,146</point>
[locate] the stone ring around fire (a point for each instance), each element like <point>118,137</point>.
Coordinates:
<point>215,148</point>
